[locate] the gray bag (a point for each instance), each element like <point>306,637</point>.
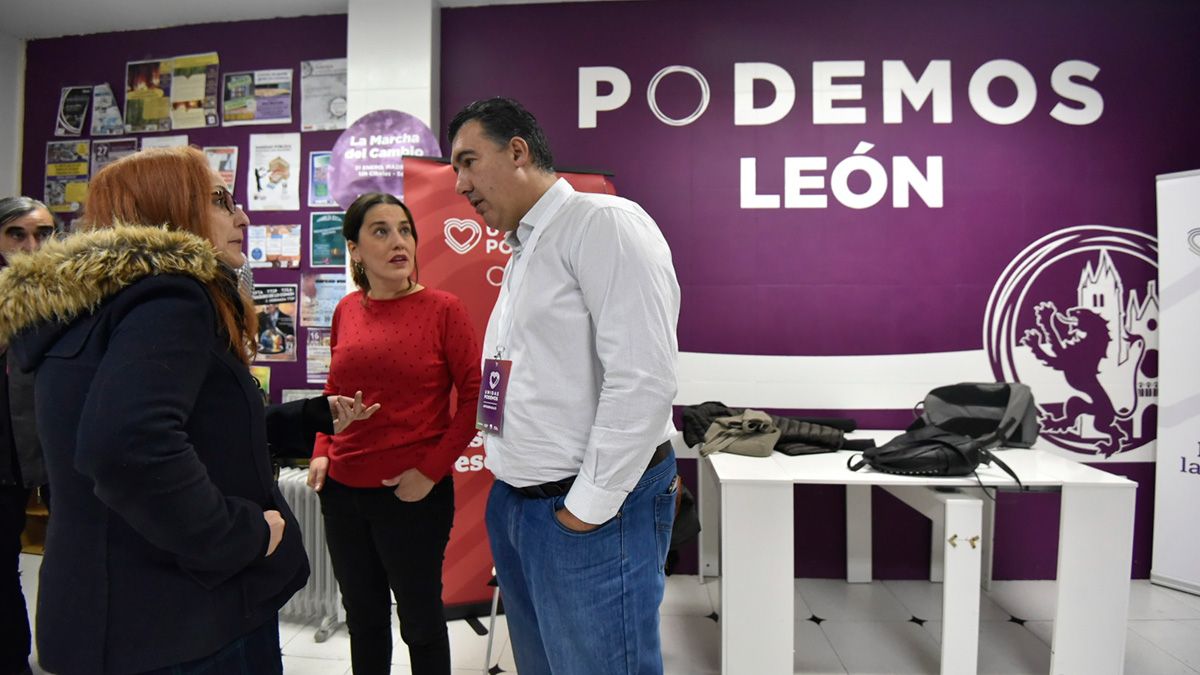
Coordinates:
<point>977,409</point>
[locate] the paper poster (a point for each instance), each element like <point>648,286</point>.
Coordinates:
<point>272,182</point>
<point>257,97</point>
<point>323,94</point>
<point>289,395</point>
<point>273,245</point>
<point>72,110</point>
<point>107,151</point>
<point>256,246</point>
<point>319,296</point>
<point>223,159</point>
<point>66,175</point>
<point>318,179</point>
<point>148,96</point>
<point>318,354</point>
<point>106,115</point>
<point>262,375</point>
<point>369,156</point>
<point>194,83</point>
<point>327,246</point>
<point>174,141</point>
<point>276,307</point>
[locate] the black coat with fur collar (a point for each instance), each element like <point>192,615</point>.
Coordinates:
<point>155,445</point>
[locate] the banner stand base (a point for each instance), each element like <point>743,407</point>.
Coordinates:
<point>1176,584</point>
<point>476,610</point>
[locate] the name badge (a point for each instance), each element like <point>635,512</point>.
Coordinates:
<point>489,416</point>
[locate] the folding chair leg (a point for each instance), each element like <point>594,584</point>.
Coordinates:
<point>487,663</point>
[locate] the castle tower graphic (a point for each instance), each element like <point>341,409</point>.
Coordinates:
<point>1102,291</point>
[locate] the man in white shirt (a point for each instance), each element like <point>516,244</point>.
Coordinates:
<point>579,376</point>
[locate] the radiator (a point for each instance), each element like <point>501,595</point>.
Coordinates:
<point>320,599</point>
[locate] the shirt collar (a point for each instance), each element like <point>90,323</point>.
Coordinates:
<point>542,213</point>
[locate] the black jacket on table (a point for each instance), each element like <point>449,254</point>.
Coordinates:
<point>155,444</point>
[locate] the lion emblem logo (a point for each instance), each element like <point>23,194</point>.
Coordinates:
<point>1075,316</point>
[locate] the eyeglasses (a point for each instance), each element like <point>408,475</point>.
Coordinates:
<point>224,198</point>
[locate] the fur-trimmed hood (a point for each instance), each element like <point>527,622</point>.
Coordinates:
<point>69,278</point>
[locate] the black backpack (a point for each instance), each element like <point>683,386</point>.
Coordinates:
<point>957,429</point>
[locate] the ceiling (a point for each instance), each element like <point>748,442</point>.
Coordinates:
<point>32,19</point>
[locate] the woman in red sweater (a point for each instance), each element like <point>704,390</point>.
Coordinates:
<point>385,485</point>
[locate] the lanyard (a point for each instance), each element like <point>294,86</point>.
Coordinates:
<point>514,278</point>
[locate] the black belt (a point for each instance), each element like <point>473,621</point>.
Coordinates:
<point>560,487</point>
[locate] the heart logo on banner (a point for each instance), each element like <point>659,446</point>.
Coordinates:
<point>493,379</point>
<point>462,235</point>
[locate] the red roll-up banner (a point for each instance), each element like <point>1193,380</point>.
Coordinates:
<point>459,254</point>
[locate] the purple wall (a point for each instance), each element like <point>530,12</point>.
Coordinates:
<point>884,280</point>
<point>250,45</point>
<point>831,281</point>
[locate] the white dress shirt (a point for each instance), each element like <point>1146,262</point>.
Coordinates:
<point>587,314</point>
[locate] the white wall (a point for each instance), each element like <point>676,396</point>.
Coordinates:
<point>392,50</point>
<point>12,103</point>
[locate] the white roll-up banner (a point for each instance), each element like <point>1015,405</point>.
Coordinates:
<point>1176,560</point>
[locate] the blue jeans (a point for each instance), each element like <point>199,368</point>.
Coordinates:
<point>584,603</point>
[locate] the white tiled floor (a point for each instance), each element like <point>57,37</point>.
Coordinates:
<point>883,628</point>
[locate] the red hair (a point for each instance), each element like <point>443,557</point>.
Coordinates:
<point>170,187</point>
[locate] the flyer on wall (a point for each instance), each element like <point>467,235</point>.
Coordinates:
<point>273,246</point>
<point>323,94</point>
<point>369,155</point>
<point>148,96</point>
<point>326,245</point>
<point>223,160</point>
<point>318,354</point>
<point>318,179</point>
<point>106,115</point>
<point>290,395</point>
<point>72,110</point>
<point>173,141</point>
<point>257,97</point>
<point>276,308</point>
<point>107,151</point>
<point>194,83</point>
<point>262,375</point>
<point>66,175</point>
<point>319,296</point>
<point>272,181</point>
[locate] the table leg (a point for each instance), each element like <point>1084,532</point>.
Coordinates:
<point>757,578</point>
<point>858,534</point>
<point>989,540</point>
<point>961,554</point>
<point>937,549</point>
<point>1095,543</point>
<point>708,503</point>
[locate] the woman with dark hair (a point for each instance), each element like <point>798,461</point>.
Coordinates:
<point>170,549</point>
<point>25,224</point>
<point>386,491</point>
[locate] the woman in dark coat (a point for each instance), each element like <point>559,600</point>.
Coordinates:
<point>170,545</point>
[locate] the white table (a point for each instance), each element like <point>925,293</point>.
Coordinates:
<point>756,553</point>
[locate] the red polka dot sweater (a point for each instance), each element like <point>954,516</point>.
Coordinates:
<point>407,354</point>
